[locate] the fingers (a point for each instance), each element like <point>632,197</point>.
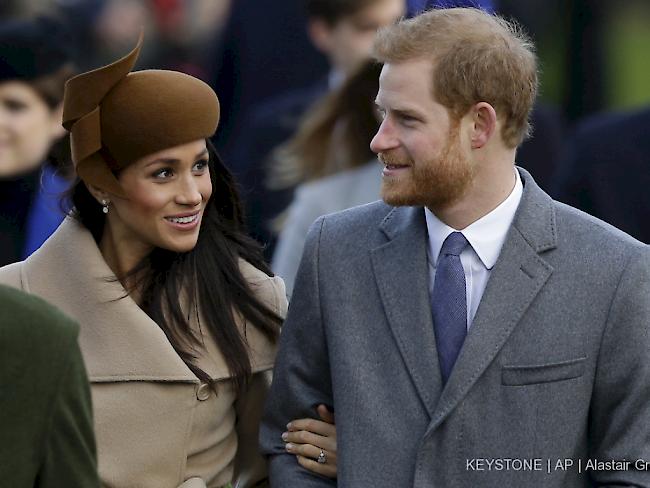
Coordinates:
<point>326,469</point>
<point>325,414</point>
<point>311,452</point>
<point>312,425</point>
<point>309,438</point>
<point>306,438</point>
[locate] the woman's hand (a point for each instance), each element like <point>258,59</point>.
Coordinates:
<point>314,442</point>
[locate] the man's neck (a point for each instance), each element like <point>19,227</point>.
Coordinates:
<point>486,192</point>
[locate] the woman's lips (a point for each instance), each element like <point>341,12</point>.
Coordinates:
<point>184,222</point>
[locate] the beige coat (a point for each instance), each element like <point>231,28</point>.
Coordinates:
<point>156,424</point>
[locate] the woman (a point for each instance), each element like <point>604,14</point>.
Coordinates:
<point>34,64</point>
<point>330,161</point>
<point>179,314</point>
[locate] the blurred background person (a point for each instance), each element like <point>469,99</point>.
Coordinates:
<point>417,6</point>
<point>606,170</point>
<point>35,61</point>
<point>343,30</point>
<point>330,163</point>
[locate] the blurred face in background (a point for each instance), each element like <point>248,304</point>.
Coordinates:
<point>28,128</point>
<point>349,41</point>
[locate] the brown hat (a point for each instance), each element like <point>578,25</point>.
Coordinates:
<point>117,117</point>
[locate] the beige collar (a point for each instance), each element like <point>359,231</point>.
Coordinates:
<point>118,340</point>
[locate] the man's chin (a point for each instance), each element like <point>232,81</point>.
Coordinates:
<point>397,199</point>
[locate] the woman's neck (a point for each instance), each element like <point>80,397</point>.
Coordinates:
<point>122,254</point>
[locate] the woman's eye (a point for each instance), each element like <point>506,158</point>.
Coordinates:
<point>162,173</point>
<point>15,105</point>
<point>200,166</point>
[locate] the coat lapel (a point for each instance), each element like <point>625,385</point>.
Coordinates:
<point>401,272</point>
<point>118,340</point>
<point>516,279</point>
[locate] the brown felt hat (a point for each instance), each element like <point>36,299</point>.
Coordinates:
<point>116,116</point>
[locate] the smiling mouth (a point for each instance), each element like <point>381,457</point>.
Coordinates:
<point>190,219</point>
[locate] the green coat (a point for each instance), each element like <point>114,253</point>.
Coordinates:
<point>46,434</point>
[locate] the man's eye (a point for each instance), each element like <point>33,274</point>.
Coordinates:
<point>408,119</point>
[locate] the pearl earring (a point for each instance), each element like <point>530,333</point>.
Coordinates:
<point>105,206</point>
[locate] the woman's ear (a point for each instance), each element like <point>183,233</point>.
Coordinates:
<point>484,124</point>
<point>98,194</point>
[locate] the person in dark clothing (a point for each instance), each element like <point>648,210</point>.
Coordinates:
<point>46,421</point>
<point>605,171</point>
<point>343,31</point>
<point>34,64</point>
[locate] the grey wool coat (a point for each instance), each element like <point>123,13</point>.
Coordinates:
<point>553,377</point>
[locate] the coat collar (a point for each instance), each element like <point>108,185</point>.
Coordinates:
<point>118,340</point>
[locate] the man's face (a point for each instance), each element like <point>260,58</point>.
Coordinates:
<point>425,160</point>
<point>349,42</point>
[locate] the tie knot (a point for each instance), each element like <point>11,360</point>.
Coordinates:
<point>454,244</point>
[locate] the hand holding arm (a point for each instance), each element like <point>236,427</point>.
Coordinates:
<point>308,438</point>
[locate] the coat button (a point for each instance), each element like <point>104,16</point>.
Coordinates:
<point>203,392</point>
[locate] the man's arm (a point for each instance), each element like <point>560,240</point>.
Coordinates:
<point>619,424</point>
<point>70,457</point>
<point>301,378</point>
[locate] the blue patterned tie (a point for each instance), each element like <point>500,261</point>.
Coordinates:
<point>449,303</point>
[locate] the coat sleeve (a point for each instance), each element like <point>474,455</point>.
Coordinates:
<point>619,423</point>
<point>250,466</point>
<point>301,379</point>
<point>70,456</point>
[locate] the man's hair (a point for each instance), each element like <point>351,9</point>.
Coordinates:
<point>477,57</point>
<point>331,11</point>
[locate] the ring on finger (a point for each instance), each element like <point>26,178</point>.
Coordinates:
<point>322,457</point>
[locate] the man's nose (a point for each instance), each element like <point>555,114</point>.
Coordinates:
<point>385,138</point>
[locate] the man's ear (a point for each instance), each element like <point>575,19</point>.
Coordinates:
<point>320,33</point>
<point>484,124</point>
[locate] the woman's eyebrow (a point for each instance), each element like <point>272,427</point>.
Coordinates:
<point>174,160</point>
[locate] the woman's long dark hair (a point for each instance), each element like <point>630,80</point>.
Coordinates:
<point>208,277</point>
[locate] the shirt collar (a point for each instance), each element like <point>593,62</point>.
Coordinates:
<point>486,235</point>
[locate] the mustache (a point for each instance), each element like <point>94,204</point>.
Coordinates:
<point>388,158</point>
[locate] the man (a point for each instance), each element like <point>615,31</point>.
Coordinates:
<point>46,422</point>
<point>470,331</point>
<point>605,171</point>
<point>343,30</point>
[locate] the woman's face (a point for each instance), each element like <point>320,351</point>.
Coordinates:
<point>28,128</point>
<point>167,193</point>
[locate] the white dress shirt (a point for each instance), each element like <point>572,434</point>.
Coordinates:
<point>485,236</point>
